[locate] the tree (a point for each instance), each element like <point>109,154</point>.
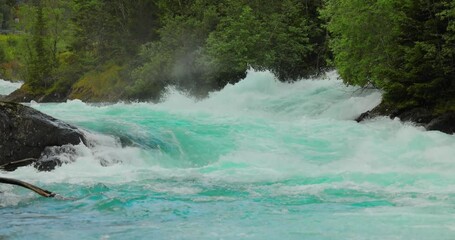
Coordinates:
<point>403,47</point>
<point>41,61</point>
<point>298,40</point>
<point>107,29</point>
<point>240,42</point>
<point>177,57</point>
<point>6,7</point>
<point>363,38</point>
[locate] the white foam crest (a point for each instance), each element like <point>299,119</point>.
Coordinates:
<point>261,94</point>
<point>8,198</point>
<point>405,151</point>
<point>173,189</point>
<point>308,109</point>
<point>351,108</point>
<point>103,160</point>
<point>7,87</point>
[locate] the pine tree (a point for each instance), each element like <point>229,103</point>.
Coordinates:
<point>41,59</point>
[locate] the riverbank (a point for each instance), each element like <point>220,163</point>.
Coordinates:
<point>107,84</point>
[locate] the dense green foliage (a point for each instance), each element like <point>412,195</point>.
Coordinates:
<point>195,45</point>
<point>207,44</point>
<point>9,63</point>
<point>9,43</point>
<point>135,49</point>
<point>41,58</point>
<point>405,47</point>
<point>6,14</point>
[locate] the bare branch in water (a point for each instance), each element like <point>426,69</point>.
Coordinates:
<point>40,191</point>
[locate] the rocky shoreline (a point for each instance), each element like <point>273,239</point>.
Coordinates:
<point>444,122</point>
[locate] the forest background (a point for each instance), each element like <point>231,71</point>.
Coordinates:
<point>109,50</point>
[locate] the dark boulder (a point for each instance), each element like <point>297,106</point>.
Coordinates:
<point>25,133</point>
<point>444,123</point>
<point>380,110</point>
<point>419,115</point>
<point>416,115</point>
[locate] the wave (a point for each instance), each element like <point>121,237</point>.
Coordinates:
<point>257,130</point>
<point>7,87</point>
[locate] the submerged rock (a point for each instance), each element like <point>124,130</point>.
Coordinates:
<point>25,133</point>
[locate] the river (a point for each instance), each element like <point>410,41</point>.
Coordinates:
<point>260,159</point>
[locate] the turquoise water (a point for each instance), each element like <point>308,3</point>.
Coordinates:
<point>257,160</point>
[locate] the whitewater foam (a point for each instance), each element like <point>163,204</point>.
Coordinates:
<point>261,159</point>
<point>276,129</point>
<point>7,87</point>
<point>261,94</point>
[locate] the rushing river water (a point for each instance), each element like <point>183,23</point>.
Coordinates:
<point>8,87</point>
<point>258,160</point>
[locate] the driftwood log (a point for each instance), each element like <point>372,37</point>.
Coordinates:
<point>40,191</point>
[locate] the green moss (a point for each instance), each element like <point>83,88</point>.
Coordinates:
<point>106,84</point>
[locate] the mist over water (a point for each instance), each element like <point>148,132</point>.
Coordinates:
<point>260,159</point>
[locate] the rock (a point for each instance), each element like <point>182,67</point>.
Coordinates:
<point>420,115</point>
<point>26,133</point>
<point>19,95</point>
<point>52,97</point>
<point>416,115</point>
<point>380,110</point>
<point>364,116</point>
<point>444,123</point>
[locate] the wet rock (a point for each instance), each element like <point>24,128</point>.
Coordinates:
<point>19,95</point>
<point>444,123</point>
<point>25,133</point>
<point>380,110</point>
<point>419,115</point>
<point>416,115</point>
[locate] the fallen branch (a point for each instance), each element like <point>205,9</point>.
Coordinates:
<point>36,189</point>
<point>11,166</point>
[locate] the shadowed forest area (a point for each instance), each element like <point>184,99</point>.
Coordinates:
<point>100,50</point>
